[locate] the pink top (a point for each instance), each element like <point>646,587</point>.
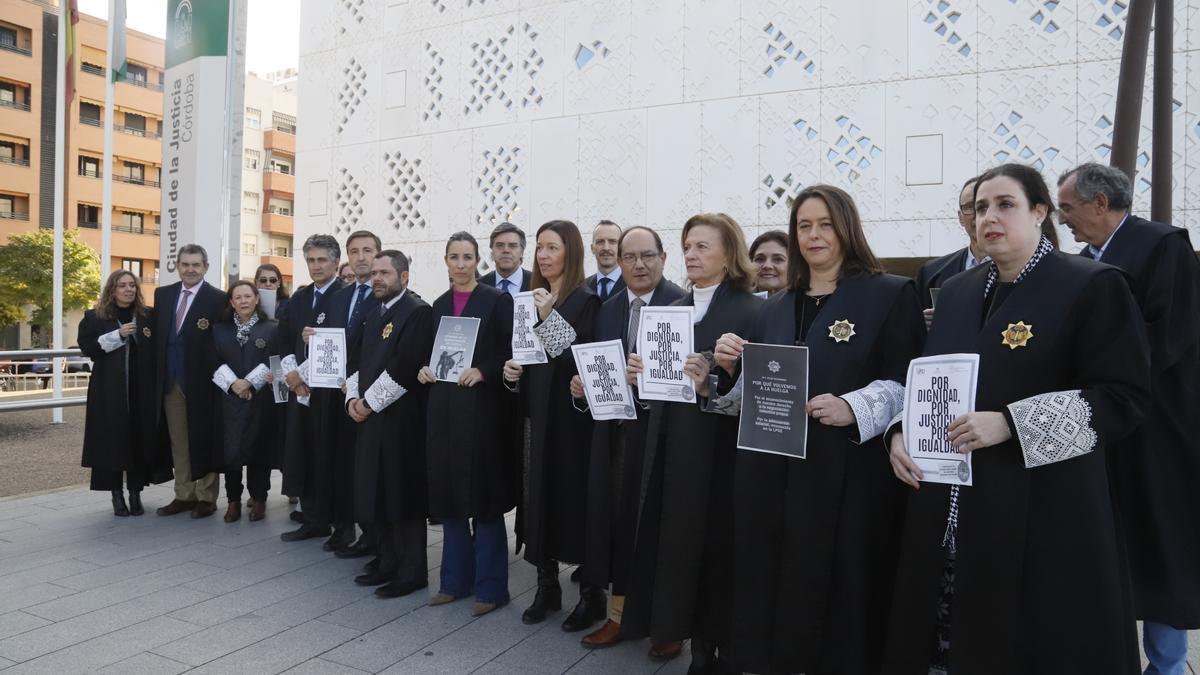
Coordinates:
<point>460,301</point>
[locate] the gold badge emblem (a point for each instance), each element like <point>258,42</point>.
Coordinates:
<point>841,330</point>
<point>202,324</point>
<point>260,343</point>
<point>387,331</point>
<point>1016,335</point>
<point>146,331</point>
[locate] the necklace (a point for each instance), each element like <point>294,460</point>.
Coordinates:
<point>819,298</point>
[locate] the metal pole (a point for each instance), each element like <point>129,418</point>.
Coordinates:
<point>60,153</point>
<point>1130,86</point>
<point>1161,151</point>
<point>107,166</point>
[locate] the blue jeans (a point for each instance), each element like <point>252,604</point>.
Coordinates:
<point>479,566</point>
<point>1166,649</point>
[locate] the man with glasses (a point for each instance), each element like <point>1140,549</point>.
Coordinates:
<point>934,273</point>
<point>615,472</point>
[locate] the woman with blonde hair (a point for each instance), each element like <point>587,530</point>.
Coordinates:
<point>118,435</point>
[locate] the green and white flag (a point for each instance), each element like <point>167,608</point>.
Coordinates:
<point>117,26</point>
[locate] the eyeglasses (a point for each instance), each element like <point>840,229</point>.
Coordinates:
<point>268,280</point>
<point>966,209</point>
<point>646,257</point>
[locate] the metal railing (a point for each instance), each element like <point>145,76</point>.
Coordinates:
<point>90,121</point>
<point>14,160</point>
<point>9,47</point>
<point>132,180</point>
<point>92,69</point>
<point>134,131</point>
<point>144,84</point>
<point>12,362</point>
<point>23,107</point>
<point>13,215</point>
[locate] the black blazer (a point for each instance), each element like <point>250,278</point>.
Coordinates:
<point>339,312</point>
<point>934,274</point>
<point>301,313</point>
<point>593,283</point>
<point>489,279</point>
<point>613,319</point>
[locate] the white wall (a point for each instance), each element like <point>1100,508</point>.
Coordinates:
<point>423,117</point>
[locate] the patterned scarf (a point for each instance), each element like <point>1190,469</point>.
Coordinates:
<point>243,329</point>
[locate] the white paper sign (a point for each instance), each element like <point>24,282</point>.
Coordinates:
<point>327,358</point>
<point>279,384</point>
<point>664,341</point>
<point>939,389</point>
<point>601,366</point>
<point>526,347</point>
<point>267,301</point>
<point>453,347</point>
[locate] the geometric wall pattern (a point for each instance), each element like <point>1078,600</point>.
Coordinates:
<point>425,117</point>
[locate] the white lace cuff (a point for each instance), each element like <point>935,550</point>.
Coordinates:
<point>555,333</point>
<point>302,369</point>
<point>874,407</point>
<point>258,377</point>
<point>383,392</point>
<point>224,377</point>
<point>1053,427</point>
<point>112,341</point>
<point>351,387</point>
<point>302,400</point>
<point>896,421</point>
<point>288,364</point>
<point>729,404</point>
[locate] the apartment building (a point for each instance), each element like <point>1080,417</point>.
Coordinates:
<point>269,172</point>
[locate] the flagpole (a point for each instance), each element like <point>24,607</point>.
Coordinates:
<point>107,166</point>
<point>60,151</point>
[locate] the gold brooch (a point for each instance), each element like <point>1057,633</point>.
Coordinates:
<point>146,331</point>
<point>260,343</point>
<point>1016,335</point>
<point>841,330</point>
<point>387,331</point>
<point>202,324</point>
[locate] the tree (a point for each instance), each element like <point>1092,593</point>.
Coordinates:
<point>27,277</point>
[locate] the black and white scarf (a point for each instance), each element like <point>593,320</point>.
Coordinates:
<point>243,329</point>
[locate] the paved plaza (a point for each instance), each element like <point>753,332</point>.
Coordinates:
<point>83,591</point>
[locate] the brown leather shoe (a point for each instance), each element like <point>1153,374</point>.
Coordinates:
<point>258,511</point>
<point>204,509</point>
<point>607,636</point>
<point>176,506</point>
<point>233,513</point>
<point>665,651</point>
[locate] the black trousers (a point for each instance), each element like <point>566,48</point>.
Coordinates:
<point>258,477</point>
<point>402,549</point>
<point>328,497</point>
<point>108,479</point>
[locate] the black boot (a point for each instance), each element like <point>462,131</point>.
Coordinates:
<point>119,508</point>
<point>135,503</point>
<point>592,607</point>
<point>704,658</point>
<point>549,594</point>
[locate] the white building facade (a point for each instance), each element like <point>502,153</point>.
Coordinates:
<point>425,117</point>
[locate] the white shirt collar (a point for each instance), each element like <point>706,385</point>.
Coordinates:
<point>325,287</point>
<point>185,287</point>
<point>514,278</point>
<point>612,276</point>
<point>972,262</point>
<point>1099,253</point>
<point>388,305</point>
<point>645,298</point>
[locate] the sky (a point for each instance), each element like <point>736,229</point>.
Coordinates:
<point>272,28</point>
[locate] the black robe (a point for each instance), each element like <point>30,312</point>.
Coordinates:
<point>1038,583</point>
<point>816,538</point>
<point>936,272</point>
<point>617,454</point>
<point>119,433</point>
<point>203,313</point>
<point>555,513</point>
<point>468,457</point>
<point>243,428</point>
<point>300,445</point>
<point>389,469</point>
<point>1157,470</point>
<point>680,579</point>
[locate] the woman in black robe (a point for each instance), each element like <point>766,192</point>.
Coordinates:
<point>243,342</point>
<point>1021,572</point>
<point>555,513</point>
<point>681,577</point>
<point>467,452</point>
<point>815,538</point>
<point>118,437</point>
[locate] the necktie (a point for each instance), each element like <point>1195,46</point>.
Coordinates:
<point>1095,254</point>
<point>635,314</point>
<point>505,285</point>
<point>316,298</point>
<point>360,295</point>
<point>181,311</point>
<point>604,282</point>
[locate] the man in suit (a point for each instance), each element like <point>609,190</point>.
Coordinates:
<point>1155,471</point>
<point>607,281</point>
<point>305,447</point>
<point>184,314</point>
<point>934,273</point>
<point>349,309</point>
<point>507,242</point>
<point>615,470</point>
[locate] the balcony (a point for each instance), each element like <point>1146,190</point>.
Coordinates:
<point>141,245</point>
<point>136,181</point>
<point>279,182</point>
<point>9,47</point>
<point>134,131</point>
<point>91,69</point>
<point>280,142</point>
<point>13,215</point>
<point>282,262</point>
<point>138,82</point>
<point>15,105</point>
<point>278,223</point>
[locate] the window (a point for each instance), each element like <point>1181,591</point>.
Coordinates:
<point>253,118</point>
<point>8,36</point>
<point>249,244</point>
<point>132,221</point>
<point>281,247</point>
<point>8,151</point>
<point>135,73</point>
<point>6,206</point>
<point>135,124</point>
<point>134,266</point>
<point>284,123</point>
<point>89,166</point>
<point>249,202</point>
<point>89,113</point>
<point>136,173</point>
<point>89,216</point>
<point>281,165</point>
<point>252,159</point>
<point>8,92</point>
